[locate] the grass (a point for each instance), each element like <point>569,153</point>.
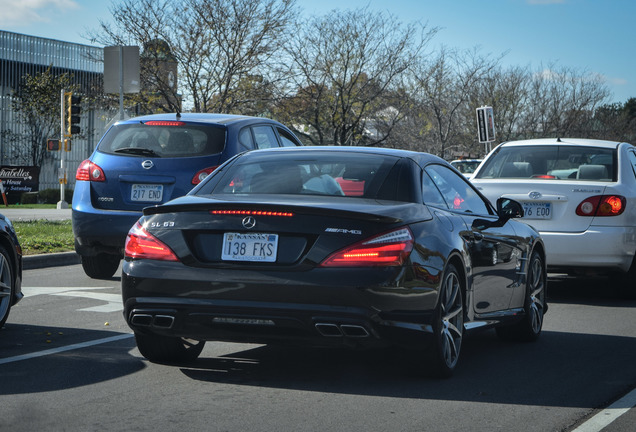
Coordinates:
<point>44,236</point>
<point>33,206</point>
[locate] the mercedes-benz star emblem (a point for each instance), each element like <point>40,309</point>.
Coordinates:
<point>147,164</point>
<point>249,222</point>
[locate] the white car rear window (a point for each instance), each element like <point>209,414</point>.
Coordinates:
<point>551,162</point>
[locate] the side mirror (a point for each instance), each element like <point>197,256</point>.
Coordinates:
<point>509,209</point>
<point>506,209</point>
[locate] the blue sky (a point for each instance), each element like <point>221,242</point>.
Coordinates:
<point>588,35</point>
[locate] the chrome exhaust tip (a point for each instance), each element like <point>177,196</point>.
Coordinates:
<point>355,331</point>
<point>163,321</point>
<point>143,320</point>
<point>328,329</point>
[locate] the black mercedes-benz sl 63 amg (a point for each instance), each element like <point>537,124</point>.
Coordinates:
<point>332,246</point>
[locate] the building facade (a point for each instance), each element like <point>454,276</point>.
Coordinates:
<point>23,54</point>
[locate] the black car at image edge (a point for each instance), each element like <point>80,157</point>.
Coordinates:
<point>10,269</point>
<point>326,246</point>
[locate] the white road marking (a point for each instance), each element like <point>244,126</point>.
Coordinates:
<point>33,291</point>
<point>65,348</point>
<point>113,301</point>
<point>609,414</point>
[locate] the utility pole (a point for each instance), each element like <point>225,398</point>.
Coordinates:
<point>62,174</point>
<point>69,125</point>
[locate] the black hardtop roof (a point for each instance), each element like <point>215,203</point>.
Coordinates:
<point>419,157</point>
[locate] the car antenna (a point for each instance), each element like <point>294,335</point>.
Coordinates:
<point>178,115</point>
<point>558,139</point>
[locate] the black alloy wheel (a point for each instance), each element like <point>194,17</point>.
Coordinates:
<point>529,328</point>
<point>165,349</point>
<point>448,324</point>
<point>6,285</point>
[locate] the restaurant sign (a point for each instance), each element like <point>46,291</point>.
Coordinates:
<point>19,179</point>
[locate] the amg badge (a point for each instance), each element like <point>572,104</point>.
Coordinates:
<point>343,231</point>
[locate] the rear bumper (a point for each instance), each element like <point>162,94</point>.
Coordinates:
<point>276,309</point>
<point>267,323</point>
<point>100,231</point>
<point>264,323</point>
<point>597,249</point>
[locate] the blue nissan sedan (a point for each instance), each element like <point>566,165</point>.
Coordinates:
<point>149,160</point>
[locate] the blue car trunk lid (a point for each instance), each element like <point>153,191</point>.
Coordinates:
<point>134,182</point>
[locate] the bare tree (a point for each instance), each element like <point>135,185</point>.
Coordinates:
<point>507,92</point>
<point>37,104</point>
<point>616,121</point>
<point>562,102</point>
<point>443,89</point>
<point>546,102</point>
<point>344,66</point>
<point>218,44</point>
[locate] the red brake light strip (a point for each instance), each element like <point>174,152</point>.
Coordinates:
<point>164,123</point>
<point>252,213</point>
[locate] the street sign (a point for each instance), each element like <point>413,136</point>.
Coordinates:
<point>121,69</point>
<point>485,124</point>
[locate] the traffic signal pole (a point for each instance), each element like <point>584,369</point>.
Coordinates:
<point>69,126</point>
<point>62,204</point>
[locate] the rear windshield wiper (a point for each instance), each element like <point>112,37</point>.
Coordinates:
<point>137,151</point>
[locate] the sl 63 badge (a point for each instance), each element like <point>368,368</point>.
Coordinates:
<point>161,224</point>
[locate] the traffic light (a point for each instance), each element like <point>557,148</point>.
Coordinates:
<point>72,113</point>
<point>52,145</point>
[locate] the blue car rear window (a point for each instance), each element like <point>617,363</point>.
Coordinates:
<point>163,140</point>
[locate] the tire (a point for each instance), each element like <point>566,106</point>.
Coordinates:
<point>101,266</point>
<point>529,328</point>
<point>625,283</point>
<point>164,349</point>
<point>448,324</point>
<point>6,285</point>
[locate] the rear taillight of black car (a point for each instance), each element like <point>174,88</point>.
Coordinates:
<point>384,250</point>
<point>140,244</point>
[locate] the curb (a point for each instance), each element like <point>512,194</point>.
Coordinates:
<point>30,262</point>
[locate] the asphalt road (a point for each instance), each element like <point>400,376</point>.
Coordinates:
<point>69,362</point>
<point>17,214</point>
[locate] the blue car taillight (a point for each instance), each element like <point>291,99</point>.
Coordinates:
<point>88,171</point>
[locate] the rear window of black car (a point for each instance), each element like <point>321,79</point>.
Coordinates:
<point>335,174</point>
<point>163,139</point>
<point>556,162</point>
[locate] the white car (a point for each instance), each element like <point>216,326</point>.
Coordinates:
<point>580,194</point>
<point>466,166</point>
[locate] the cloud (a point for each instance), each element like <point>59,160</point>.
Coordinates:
<point>617,81</point>
<point>544,2</point>
<point>547,75</point>
<point>24,12</point>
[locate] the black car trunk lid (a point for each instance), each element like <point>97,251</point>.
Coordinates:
<point>275,231</point>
